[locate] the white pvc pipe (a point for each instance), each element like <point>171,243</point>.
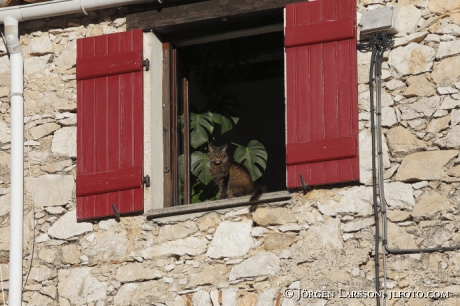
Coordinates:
<point>59,7</point>
<point>17,159</point>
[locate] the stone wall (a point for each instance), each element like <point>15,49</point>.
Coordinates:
<point>323,240</point>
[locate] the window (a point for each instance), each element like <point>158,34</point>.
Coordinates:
<point>311,78</point>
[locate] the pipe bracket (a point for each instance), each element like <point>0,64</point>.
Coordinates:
<point>17,94</point>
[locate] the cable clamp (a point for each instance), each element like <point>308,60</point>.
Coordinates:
<point>17,94</point>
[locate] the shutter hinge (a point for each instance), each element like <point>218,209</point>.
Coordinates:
<point>304,185</point>
<point>146,64</point>
<point>115,210</point>
<point>147,181</point>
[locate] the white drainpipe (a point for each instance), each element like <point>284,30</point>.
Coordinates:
<point>10,17</point>
<point>17,158</point>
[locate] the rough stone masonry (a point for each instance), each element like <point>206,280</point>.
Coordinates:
<point>319,241</point>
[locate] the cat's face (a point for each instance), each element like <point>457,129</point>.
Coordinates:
<point>217,155</point>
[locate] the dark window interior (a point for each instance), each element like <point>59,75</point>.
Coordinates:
<point>259,93</point>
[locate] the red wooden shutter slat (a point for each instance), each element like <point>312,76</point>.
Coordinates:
<point>321,150</point>
<point>114,180</point>
<point>321,32</point>
<point>321,80</point>
<point>110,124</point>
<point>109,64</point>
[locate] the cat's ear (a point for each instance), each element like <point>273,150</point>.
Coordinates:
<point>224,148</point>
<point>211,148</point>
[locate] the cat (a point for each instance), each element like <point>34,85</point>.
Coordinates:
<point>232,177</point>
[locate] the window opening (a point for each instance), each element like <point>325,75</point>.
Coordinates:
<point>229,92</point>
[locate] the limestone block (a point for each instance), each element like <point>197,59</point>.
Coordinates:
<point>447,90</point>
<point>80,287</point>
<point>36,64</point>
<point>67,227</point>
<point>356,225</point>
<point>423,107</point>
<point>429,165</point>
<point>40,46</point>
<point>5,241</point>
<point>40,300</point>
<point>40,131</point>
<point>447,71</point>
<point>409,17</point>
<point>275,216</point>
<point>50,189</point>
<point>394,84</point>
<point>56,167</point>
<point>47,255</point>
<point>176,231</point>
<point>449,103</point>
<point>455,171</point>
<point>324,234</point>
<point>191,246</point>
<point>55,210</point>
<point>229,297</point>
<point>453,135</point>
<point>109,246</point>
<point>70,254</point>
<point>448,48</point>
<point>398,215</point>
<point>4,63</point>
<point>135,272</point>
<point>267,297</point>
<point>353,201</point>
<point>430,205</point>
<point>68,57</point>
<point>399,195</point>
<point>406,39</point>
<point>419,86</point>
<point>264,263</point>
<point>455,117</point>
<point>402,142</point>
<point>440,7</point>
<point>49,291</point>
<point>398,238</point>
<point>278,241</point>
<point>42,273</point>
<point>412,59</point>
<point>388,117</point>
<point>247,299</point>
<point>5,132</point>
<point>5,205</point>
<point>65,141</point>
<point>215,275</point>
<point>231,239</point>
<point>201,298</point>
<point>438,125</point>
<point>5,271</point>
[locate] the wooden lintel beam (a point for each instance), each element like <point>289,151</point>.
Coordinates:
<point>200,11</point>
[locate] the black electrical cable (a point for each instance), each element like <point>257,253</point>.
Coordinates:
<point>371,46</point>
<point>378,44</point>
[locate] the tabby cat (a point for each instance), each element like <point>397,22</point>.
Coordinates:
<point>232,177</point>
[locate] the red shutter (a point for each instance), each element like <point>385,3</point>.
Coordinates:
<point>110,125</point>
<point>322,103</point>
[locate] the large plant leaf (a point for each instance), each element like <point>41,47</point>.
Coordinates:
<point>203,193</point>
<point>226,123</point>
<point>201,126</point>
<point>200,167</point>
<point>252,157</point>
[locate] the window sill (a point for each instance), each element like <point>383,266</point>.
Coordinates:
<point>219,204</point>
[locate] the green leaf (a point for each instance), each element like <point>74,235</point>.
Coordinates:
<point>201,126</point>
<point>203,193</point>
<point>225,122</point>
<point>200,167</point>
<point>252,157</point>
